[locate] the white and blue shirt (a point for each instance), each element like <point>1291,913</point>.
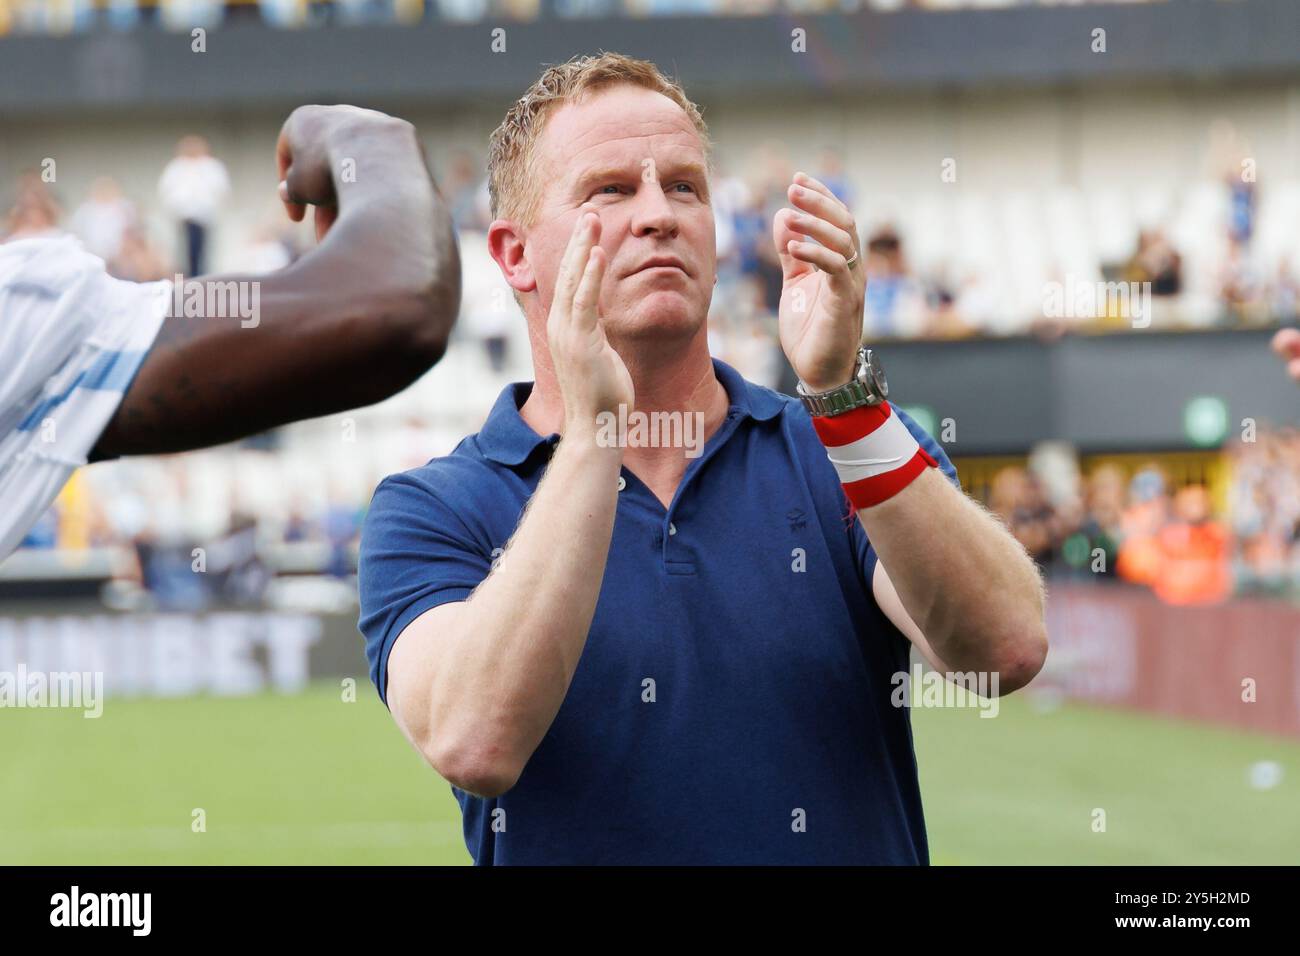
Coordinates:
<point>732,703</point>
<point>71,341</point>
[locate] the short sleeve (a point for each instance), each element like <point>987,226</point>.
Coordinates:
<point>416,554</point>
<point>72,339</point>
<point>866,554</point>
<point>61,311</point>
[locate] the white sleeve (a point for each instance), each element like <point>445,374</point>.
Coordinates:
<point>71,341</point>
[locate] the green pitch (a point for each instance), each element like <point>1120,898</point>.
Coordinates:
<point>312,779</point>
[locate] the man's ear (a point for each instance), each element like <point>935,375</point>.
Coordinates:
<point>506,246</point>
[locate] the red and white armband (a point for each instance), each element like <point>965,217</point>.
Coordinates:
<point>873,452</point>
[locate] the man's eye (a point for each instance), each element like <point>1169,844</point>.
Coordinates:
<point>687,185</point>
<point>612,186</point>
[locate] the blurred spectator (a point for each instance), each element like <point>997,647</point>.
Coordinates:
<point>1140,524</point>
<point>743,333</point>
<point>1240,287</point>
<point>55,16</point>
<point>894,301</point>
<point>364,11</point>
<point>1156,261</point>
<point>587,8</point>
<point>236,573</point>
<point>1193,553</point>
<point>768,194</point>
<point>185,15</point>
<point>1241,207</point>
<point>750,232</point>
<point>465,187</point>
<point>487,305</point>
<point>1265,508</point>
<point>831,172</point>
<point>1093,546</point>
<point>122,14</point>
<point>1286,293</point>
<point>35,211</point>
<point>284,13</point>
<point>342,524</point>
<point>522,10</point>
<point>1016,496</point>
<point>298,527</point>
<point>464,11</point>
<point>730,196</point>
<point>167,573</point>
<point>103,218</point>
<point>943,320</point>
<point>137,259</point>
<point>192,189</point>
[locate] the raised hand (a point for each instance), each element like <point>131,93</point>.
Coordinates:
<point>591,375</point>
<point>822,295</point>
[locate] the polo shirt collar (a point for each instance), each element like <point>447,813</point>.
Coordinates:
<point>505,437</point>
<point>754,401</point>
<point>508,440</point>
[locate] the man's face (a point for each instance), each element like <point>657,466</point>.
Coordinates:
<point>634,157</point>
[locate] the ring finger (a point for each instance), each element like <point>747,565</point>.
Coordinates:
<point>828,234</point>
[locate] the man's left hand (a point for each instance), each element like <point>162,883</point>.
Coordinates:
<point>822,296</point>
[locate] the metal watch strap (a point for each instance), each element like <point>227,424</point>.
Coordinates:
<point>845,398</point>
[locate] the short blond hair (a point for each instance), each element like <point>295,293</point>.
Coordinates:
<point>512,148</point>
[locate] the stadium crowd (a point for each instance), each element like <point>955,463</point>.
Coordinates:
<point>1147,532</point>
<point>62,16</point>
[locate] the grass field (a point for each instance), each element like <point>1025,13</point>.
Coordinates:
<point>310,779</point>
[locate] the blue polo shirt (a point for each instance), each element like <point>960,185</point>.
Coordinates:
<point>732,702</point>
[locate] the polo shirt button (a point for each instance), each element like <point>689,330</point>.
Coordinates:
<point>622,482</point>
<point>672,528</point>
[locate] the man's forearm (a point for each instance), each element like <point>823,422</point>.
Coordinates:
<point>510,651</point>
<point>966,582</point>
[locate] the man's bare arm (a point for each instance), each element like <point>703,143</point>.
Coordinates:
<point>960,580</point>
<point>353,322</point>
<point>476,685</point>
<point>962,589</point>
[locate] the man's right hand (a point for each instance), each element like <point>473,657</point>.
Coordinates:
<point>591,375</point>
<point>476,684</point>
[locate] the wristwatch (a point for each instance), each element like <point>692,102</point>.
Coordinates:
<point>868,387</point>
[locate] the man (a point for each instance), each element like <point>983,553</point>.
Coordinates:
<point>623,653</point>
<point>92,367</point>
<point>193,188</point>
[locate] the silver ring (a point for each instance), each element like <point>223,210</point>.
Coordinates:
<point>849,262</point>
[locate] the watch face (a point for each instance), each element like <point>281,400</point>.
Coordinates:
<point>874,372</point>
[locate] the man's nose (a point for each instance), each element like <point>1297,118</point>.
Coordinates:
<point>653,212</point>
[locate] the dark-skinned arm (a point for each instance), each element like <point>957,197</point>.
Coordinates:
<point>356,320</point>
